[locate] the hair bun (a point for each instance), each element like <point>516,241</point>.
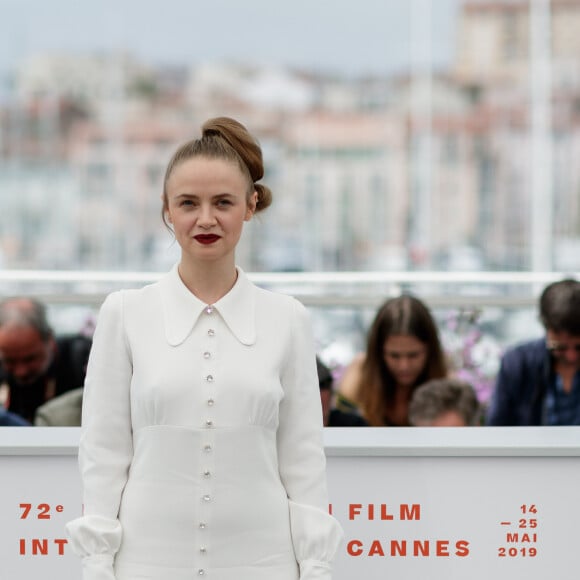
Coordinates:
<point>264,196</point>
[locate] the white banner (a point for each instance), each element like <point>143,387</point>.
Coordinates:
<point>456,517</point>
<point>39,495</point>
<point>413,503</point>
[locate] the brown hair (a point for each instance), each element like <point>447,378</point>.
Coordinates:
<point>560,306</point>
<point>227,139</point>
<point>404,315</point>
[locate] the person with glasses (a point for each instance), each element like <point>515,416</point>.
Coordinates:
<point>539,381</point>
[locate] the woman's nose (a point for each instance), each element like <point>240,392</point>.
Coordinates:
<point>403,363</point>
<point>206,217</point>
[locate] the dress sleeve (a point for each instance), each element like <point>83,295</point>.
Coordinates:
<point>105,448</point>
<point>302,463</point>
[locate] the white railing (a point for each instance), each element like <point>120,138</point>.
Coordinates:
<point>506,289</point>
<point>499,307</point>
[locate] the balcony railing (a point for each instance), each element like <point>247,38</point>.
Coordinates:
<point>332,289</point>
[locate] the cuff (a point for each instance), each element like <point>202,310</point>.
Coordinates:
<point>314,570</point>
<point>98,567</point>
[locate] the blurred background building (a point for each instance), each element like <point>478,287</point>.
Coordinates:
<point>421,168</point>
<point>428,135</point>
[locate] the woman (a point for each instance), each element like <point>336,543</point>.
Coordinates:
<point>403,351</point>
<point>201,451</point>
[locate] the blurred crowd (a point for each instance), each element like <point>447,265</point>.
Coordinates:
<point>403,378</point>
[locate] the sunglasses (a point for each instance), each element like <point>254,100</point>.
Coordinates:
<point>559,348</point>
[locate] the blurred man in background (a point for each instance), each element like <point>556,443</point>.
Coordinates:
<point>35,365</point>
<point>444,402</point>
<point>539,381</point>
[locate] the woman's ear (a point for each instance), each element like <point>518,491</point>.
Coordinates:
<point>252,202</point>
<point>164,205</point>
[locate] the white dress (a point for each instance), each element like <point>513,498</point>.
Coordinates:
<point>201,449</point>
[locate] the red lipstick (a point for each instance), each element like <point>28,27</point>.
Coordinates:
<point>206,238</point>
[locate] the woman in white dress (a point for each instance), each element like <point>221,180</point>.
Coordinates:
<point>201,448</point>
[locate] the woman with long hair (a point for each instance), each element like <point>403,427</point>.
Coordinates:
<point>403,351</point>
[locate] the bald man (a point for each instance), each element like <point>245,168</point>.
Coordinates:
<point>35,365</point>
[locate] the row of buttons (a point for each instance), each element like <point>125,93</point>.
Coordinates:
<point>207,447</point>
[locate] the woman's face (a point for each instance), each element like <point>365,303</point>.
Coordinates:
<point>207,206</point>
<point>405,357</point>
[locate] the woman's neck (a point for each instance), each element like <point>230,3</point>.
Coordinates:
<point>208,282</point>
<point>397,409</point>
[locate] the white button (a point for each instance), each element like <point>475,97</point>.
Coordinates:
<point>202,550</point>
<point>202,525</point>
<point>209,378</point>
<point>209,309</point>
<point>207,354</point>
<point>206,498</point>
<point>211,332</point>
<point>209,423</point>
<point>210,402</point>
<point>207,473</point>
<point>207,448</point>
<point>201,572</point>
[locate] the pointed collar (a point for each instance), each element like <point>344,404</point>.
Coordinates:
<point>182,309</point>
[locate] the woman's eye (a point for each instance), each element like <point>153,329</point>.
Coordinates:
<point>224,202</point>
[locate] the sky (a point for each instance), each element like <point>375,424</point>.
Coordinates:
<point>344,37</point>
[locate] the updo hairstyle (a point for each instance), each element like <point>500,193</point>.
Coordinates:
<point>227,139</point>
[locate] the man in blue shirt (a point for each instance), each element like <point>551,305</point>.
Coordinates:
<point>539,381</point>
<point>8,419</point>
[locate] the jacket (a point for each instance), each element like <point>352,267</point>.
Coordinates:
<point>66,372</point>
<point>521,386</point>
<point>62,411</point>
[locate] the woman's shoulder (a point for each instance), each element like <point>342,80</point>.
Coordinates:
<point>127,298</point>
<point>284,315</point>
<point>278,303</point>
<point>354,368</point>
<point>349,384</point>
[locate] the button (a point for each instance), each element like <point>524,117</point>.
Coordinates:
<point>209,423</point>
<point>207,354</point>
<point>201,572</point>
<point>209,378</point>
<point>207,448</point>
<point>210,402</point>
<point>202,525</point>
<point>209,309</point>
<point>207,473</point>
<point>203,550</point>
<point>206,498</point>
<point>211,332</point>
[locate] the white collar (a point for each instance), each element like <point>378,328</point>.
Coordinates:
<point>182,309</point>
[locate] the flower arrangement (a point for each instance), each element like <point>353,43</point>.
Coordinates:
<point>474,356</point>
